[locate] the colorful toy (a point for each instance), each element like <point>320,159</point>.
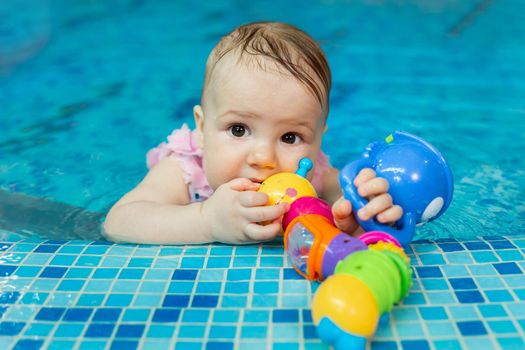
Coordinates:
<point>419,177</point>
<point>307,205</point>
<point>287,187</point>
<point>366,284</point>
<point>315,245</point>
<point>365,276</point>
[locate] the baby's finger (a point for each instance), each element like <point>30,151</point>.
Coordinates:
<point>266,213</point>
<point>259,233</point>
<point>341,208</point>
<point>373,187</point>
<point>253,199</point>
<point>343,218</point>
<point>243,184</point>
<point>390,215</point>
<point>375,206</point>
<point>364,175</point>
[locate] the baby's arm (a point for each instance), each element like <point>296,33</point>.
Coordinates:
<point>158,211</point>
<point>369,186</point>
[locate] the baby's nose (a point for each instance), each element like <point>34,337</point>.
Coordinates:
<point>262,156</point>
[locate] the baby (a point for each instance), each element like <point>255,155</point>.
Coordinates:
<point>264,106</point>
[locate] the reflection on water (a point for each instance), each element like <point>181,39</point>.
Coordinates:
<point>30,216</point>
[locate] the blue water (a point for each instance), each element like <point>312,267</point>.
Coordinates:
<point>86,88</point>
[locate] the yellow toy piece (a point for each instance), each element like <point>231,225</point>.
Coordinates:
<point>381,245</point>
<point>286,187</point>
<point>348,302</point>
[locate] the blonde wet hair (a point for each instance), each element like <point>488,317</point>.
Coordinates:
<point>289,47</point>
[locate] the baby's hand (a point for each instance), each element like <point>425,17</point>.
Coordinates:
<point>374,189</point>
<point>235,209</point>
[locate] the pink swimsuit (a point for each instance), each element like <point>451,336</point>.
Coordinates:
<point>182,145</point>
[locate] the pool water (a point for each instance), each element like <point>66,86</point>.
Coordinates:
<point>86,88</point>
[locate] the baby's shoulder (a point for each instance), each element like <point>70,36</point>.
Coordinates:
<point>166,181</point>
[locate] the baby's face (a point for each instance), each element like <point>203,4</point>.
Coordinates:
<point>256,123</point>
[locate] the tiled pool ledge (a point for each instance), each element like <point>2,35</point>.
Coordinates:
<point>98,295</point>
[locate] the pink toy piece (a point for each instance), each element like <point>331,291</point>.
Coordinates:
<point>307,205</point>
<point>292,192</point>
<point>372,237</point>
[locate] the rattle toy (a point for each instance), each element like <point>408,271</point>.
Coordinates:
<point>287,187</point>
<point>365,276</point>
<point>419,177</point>
<point>312,241</point>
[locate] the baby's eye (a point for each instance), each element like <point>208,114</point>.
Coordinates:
<point>290,138</point>
<point>238,130</point>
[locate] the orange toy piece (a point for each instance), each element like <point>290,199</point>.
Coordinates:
<point>315,245</point>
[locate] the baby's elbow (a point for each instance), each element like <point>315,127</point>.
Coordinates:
<point>111,227</point>
<point>108,232</point>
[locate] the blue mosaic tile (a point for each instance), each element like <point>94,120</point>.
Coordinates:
<point>11,328</point>
<point>9,297</point>
<point>78,314</point>
<point>498,295</point>
<point>239,275</point>
<point>107,314</point>
<point>50,314</point>
<point>433,313</point>
<point>510,255</point>
<point>502,244</point>
<point>281,316</point>
<point>470,297</point>
<point>237,287</point>
<point>476,245</point>
<point>447,344</point>
<point>507,268</point>
<point>219,346</point>
<point>226,316</point>
<point>53,272</point>
<point>462,283</point>
<point>511,342</point>
<point>69,330</point>
<point>204,301</point>
<point>218,262</point>
<point>46,248</point>
<point>468,328</point>
<point>291,274</point>
<point>484,256</point>
<point>184,275</point>
<point>39,329</point>
<point>99,330</point>
<point>429,272</point>
<point>124,345</point>
<point>268,274</point>
<point>418,344</point>
<point>384,345</point>
<point>451,247</point>
<point>492,310</point>
<point>255,332</point>
<point>130,331</point>
<point>166,315</point>
<point>132,302</point>
<point>176,301</point>
<point>28,344</point>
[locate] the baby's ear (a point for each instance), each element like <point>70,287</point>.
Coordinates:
<point>198,115</point>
